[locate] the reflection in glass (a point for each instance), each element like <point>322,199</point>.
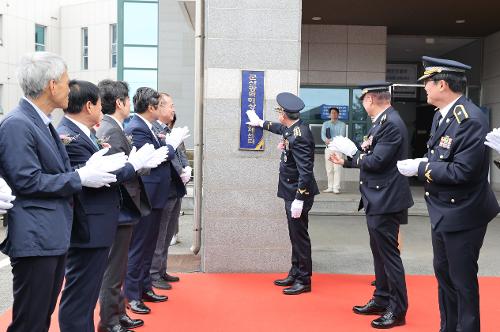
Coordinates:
<point>140,23</point>
<point>358,112</point>
<point>39,37</point>
<point>359,130</point>
<point>318,101</point>
<point>140,57</point>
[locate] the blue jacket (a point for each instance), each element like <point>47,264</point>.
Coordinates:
<point>157,183</point>
<point>383,189</point>
<point>96,209</point>
<point>458,193</point>
<point>35,164</point>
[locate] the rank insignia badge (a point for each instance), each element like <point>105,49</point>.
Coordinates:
<point>445,142</point>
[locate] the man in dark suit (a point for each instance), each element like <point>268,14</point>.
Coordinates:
<point>296,186</point>
<point>116,108</point>
<point>459,198</point>
<point>41,177</point>
<point>138,288</point>
<point>386,197</point>
<point>96,210</point>
<point>170,214</point>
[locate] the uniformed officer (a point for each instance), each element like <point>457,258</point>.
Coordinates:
<point>297,185</point>
<point>458,196</point>
<point>385,197</point>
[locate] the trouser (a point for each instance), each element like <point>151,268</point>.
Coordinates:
<point>333,171</point>
<point>455,266</point>
<point>390,290</point>
<point>37,282</point>
<point>111,299</point>
<point>168,224</point>
<point>301,269</point>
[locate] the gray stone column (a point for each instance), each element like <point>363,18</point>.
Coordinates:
<point>244,224</point>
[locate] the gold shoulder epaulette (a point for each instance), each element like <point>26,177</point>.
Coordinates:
<point>296,131</point>
<point>460,113</point>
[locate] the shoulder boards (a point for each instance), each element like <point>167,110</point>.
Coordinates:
<point>296,131</point>
<point>460,113</point>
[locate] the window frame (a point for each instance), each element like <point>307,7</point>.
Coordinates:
<point>40,46</point>
<point>84,32</point>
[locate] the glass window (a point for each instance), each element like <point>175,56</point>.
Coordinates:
<point>39,37</point>
<point>137,78</point>
<point>85,48</point>
<point>318,101</point>
<point>113,47</point>
<point>1,98</point>
<point>140,57</point>
<point>140,23</point>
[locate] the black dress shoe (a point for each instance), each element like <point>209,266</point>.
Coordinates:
<point>150,296</point>
<point>371,308</point>
<point>138,307</point>
<point>115,328</point>
<point>169,278</point>
<point>161,284</point>
<point>297,288</point>
<point>389,320</point>
<point>288,281</point>
<point>130,323</point>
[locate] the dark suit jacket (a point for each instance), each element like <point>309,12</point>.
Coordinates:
<point>456,176</point>
<point>296,180</point>
<point>178,189</point>
<point>97,208</point>
<point>157,183</point>
<point>383,189</point>
<point>135,200</point>
<point>35,165</point>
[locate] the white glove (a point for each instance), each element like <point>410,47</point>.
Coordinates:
<point>5,197</point>
<point>94,178</point>
<point>140,158</point>
<point>254,119</point>
<point>343,145</point>
<point>177,136</point>
<point>493,139</point>
<point>186,174</point>
<point>409,167</point>
<point>99,161</point>
<point>296,208</point>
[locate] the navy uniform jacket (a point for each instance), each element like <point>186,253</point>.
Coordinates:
<point>157,183</point>
<point>96,209</point>
<point>35,164</point>
<point>178,189</point>
<point>458,194</point>
<point>383,189</point>
<point>296,180</point>
<point>138,205</point>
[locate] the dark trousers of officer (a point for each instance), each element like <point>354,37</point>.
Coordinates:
<point>169,224</point>
<point>455,266</point>
<point>37,282</point>
<point>301,243</point>
<point>140,255</point>
<point>84,272</point>
<point>390,288</point>
<point>111,299</point>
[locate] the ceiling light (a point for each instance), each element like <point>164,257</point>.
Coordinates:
<point>316,18</point>
<point>460,21</point>
<point>430,40</point>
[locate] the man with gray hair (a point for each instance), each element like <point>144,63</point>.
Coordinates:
<point>41,177</point>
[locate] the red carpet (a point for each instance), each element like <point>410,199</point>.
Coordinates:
<point>250,302</point>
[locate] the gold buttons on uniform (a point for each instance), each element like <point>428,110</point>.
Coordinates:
<point>378,187</point>
<point>453,200</point>
<point>441,156</point>
<point>360,182</point>
<point>426,193</point>
<point>432,151</point>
